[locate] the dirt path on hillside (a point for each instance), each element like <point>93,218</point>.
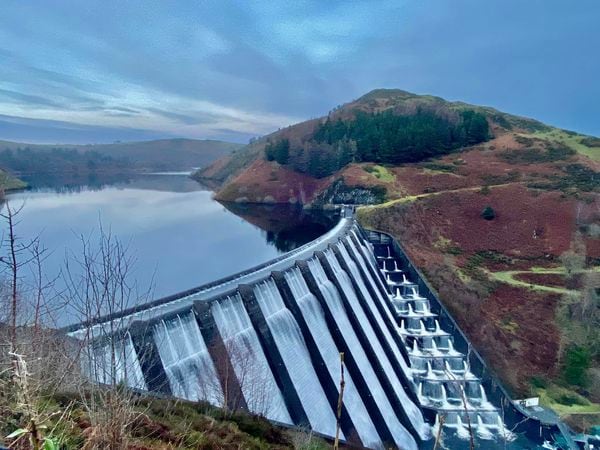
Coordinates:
<point>412,198</point>
<point>508,277</point>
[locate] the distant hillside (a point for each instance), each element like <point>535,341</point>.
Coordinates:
<point>386,126</point>
<point>165,154</point>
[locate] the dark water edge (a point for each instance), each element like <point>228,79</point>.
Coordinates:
<point>287,227</point>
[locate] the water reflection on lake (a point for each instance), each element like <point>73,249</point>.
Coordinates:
<point>179,235</point>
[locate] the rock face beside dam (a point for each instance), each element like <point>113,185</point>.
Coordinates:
<point>269,340</point>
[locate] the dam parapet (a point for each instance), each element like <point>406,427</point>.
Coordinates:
<point>268,340</point>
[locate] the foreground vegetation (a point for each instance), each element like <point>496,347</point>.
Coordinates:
<point>154,423</point>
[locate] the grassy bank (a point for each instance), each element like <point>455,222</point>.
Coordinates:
<point>9,182</point>
<point>157,423</point>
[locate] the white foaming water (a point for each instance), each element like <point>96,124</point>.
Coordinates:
<point>382,302</point>
<point>402,437</point>
<point>461,430</point>
<point>249,362</point>
<point>482,431</point>
<point>116,363</point>
<point>315,319</point>
<point>368,255</point>
<point>413,412</point>
<point>291,345</point>
<point>186,360</point>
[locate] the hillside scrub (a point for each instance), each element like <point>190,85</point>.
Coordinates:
<point>577,362</point>
<point>488,213</point>
<point>575,177</point>
<point>536,155</point>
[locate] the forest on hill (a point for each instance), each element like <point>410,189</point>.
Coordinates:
<point>63,160</point>
<point>382,137</point>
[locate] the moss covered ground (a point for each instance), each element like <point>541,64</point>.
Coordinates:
<point>574,141</point>
<point>9,182</point>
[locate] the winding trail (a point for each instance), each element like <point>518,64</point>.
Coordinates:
<point>412,198</point>
<point>508,277</point>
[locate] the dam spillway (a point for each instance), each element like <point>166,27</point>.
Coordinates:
<point>268,341</point>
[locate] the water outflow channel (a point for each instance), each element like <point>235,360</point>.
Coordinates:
<point>440,373</point>
<point>270,341</point>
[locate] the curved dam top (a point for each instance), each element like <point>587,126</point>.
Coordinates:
<point>184,299</point>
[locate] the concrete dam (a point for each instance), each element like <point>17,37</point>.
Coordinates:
<point>268,340</point>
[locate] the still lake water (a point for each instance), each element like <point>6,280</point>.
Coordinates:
<point>179,236</point>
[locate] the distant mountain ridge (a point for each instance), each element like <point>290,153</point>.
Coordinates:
<point>163,154</point>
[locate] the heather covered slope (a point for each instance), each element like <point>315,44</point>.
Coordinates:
<point>329,160</point>
<point>524,285</point>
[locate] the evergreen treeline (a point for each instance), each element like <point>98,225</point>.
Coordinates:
<point>280,151</point>
<point>389,138</point>
<point>380,137</point>
<point>26,160</point>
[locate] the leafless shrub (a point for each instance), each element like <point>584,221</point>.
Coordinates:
<point>98,282</point>
<point>306,440</point>
<point>227,358</point>
<point>34,361</point>
<point>460,383</point>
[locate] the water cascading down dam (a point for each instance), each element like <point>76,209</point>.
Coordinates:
<point>268,341</point>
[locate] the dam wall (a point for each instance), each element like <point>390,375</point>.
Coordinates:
<point>268,341</point>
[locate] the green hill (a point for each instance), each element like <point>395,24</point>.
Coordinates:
<point>9,182</point>
<point>385,126</point>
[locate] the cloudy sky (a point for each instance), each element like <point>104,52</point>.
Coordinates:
<point>100,71</point>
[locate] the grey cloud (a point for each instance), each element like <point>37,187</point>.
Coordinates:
<point>187,119</point>
<point>33,100</point>
<point>21,129</point>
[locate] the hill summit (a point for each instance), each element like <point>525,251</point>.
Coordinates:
<point>345,156</point>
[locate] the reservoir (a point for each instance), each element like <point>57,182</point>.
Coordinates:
<point>176,234</point>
